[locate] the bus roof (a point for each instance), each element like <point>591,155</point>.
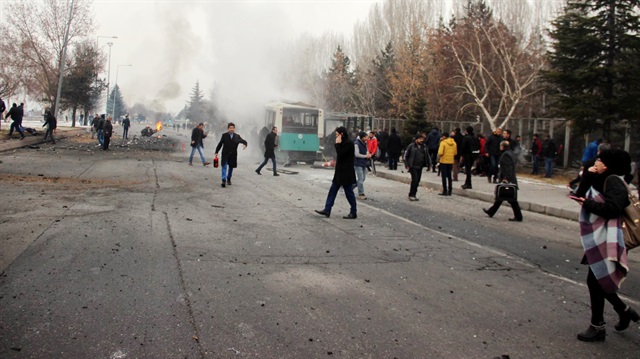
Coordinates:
<point>297,105</point>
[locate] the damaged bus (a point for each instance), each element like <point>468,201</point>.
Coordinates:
<point>300,130</point>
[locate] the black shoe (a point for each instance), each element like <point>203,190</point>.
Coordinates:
<point>625,318</point>
<point>276,174</point>
<point>326,214</point>
<point>350,216</point>
<point>442,194</point>
<point>464,186</point>
<point>229,181</point>
<point>595,333</point>
<point>487,212</point>
<point>258,172</point>
<point>224,183</point>
<point>449,194</point>
<point>515,219</point>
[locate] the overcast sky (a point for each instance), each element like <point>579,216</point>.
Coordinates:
<point>173,44</point>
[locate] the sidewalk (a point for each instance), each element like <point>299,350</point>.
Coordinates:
<point>533,196</point>
<point>8,144</point>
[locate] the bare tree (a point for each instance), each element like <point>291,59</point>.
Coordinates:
<point>496,68</point>
<point>35,35</point>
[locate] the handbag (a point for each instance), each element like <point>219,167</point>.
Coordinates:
<point>630,219</point>
<point>506,192</point>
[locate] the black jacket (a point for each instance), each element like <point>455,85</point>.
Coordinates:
<point>411,156</point>
<point>394,143</point>
<point>107,128</point>
<point>197,135</point>
<point>508,167</point>
<point>467,147</point>
<point>14,112</point>
<point>345,173</point>
<point>383,137</point>
<point>126,123</point>
<point>492,146</point>
<point>616,198</point>
<point>50,120</point>
<point>2,107</point>
<point>95,122</point>
<point>549,149</point>
<point>270,145</point>
<point>230,150</point>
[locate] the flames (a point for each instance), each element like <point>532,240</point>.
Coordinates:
<point>158,126</point>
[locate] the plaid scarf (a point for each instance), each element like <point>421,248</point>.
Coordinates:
<point>603,245</point>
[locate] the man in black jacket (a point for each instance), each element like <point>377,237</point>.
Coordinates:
<point>383,136</point>
<point>416,158</point>
<point>492,151</point>
<point>126,123</point>
<point>507,175</point>
<point>107,131</point>
<point>16,112</point>
<point>549,152</point>
<point>469,152</point>
<point>394,148</point>
<point>270,151</point>
<point>433,143</point>
<point>52,123</point>
<point>197,135</point>
<point>344,175</point>
<point>230,140</point>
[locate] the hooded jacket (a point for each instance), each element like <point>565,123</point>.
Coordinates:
<point>447,151</point>
<point>433,139</point>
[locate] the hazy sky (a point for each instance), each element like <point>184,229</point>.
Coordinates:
<point>173,44</point>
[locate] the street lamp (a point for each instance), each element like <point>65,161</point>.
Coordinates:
<point>108,76</point>
<point>104,37</point>
<point>97,46</point>
<point>113,116</point>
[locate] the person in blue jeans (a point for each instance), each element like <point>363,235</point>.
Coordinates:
<point>549,152</point>
<point>344,175</point>
<point>361,161</point>
<point>197,135</point>
<point>229,144</point>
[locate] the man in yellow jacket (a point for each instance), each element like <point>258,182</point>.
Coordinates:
<point>447,151</point>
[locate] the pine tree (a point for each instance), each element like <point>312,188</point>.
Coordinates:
<point>197,106</point>
<point>120,106</point>
<point>383,67</point>
<point>594,63</point>
<point>340,83</point>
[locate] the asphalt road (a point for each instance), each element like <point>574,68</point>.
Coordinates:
<point>133,254</point>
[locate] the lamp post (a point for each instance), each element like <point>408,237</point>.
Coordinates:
<point>104,37</point>
<point>108,76</point>
<point>114,94</point>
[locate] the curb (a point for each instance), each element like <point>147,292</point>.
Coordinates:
<point>488,197</point>
<point>29,140</point>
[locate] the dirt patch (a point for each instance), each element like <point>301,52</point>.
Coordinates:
<point>29,180</point>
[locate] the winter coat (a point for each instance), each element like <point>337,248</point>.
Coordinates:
<point>107,129</point>
<point>447,151</point>
<point>372,146</point>
<point>394,144</point>
<point>470,144</point>
<point>14,114</point>
<point>616,197</point>
<point>50,120</point>
<point>412,158</point>
<point>126,123</point>
<point>360,154</point>
<point>383,137</point>
<point>508,167</point>
<point>433,140</point>
<point>590,152</point>
<point>492,146</point>
<point>458,138</point>
<point>345,173</point>
<point>270,145</point>
<point>549,149</point>
<point>230,150</point>
<point>197,135</point>
<point>536,147</point>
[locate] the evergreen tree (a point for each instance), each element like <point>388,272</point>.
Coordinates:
<point>383,67</point>
<point>120,106</point>
<point>197,107</point>
<point>340,83</point>
<point>594,68</point>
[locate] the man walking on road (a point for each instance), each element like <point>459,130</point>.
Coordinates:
<point>51,123</point>
<point>344,175</point>
<point>16,112</point>
<point>270,151</point>
<point>416,158</point>
<point>230,140</point>
<point>197,135</point>
<point>508,163</point>
<point>361,162</point>
<point>394,148</point>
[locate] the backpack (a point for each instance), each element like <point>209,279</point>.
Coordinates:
<point>630,218</point>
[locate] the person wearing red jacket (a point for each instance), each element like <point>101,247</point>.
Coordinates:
<point>372,144</point>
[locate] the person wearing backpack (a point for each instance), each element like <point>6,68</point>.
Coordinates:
<point>469,152</point>
<point>603,242</point>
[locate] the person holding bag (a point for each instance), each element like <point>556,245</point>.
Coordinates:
<point>507,165</point>
<point>603,241</point>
